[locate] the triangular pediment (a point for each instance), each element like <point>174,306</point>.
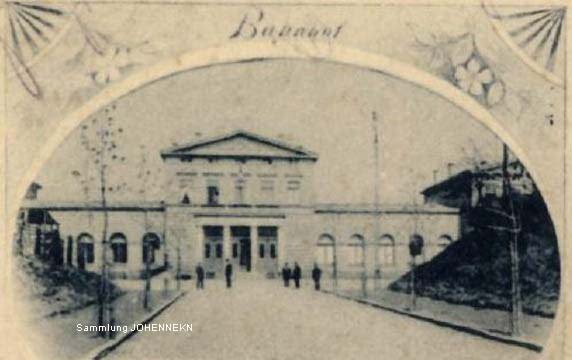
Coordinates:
<point>240,144</point>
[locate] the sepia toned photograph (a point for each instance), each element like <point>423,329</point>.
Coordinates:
<point>287,198</point>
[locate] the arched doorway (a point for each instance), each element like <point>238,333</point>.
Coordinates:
<point>438,246</point>
<point>85,250</point>
<point>118,248</point>
<point>325,253</point>
<point>150,243</point>
<point>386,251</point>
<point>352,257</point>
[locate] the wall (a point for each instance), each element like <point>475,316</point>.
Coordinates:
<point>132,223</point>
<point>192,177</point>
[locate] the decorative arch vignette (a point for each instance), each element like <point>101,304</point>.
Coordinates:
<point>258,52</point>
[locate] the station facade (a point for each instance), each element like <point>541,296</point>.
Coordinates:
<point>249,199</point>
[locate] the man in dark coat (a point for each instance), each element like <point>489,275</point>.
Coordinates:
<point>200,276</point>
<point>316,275</point>
<point>297,275</point>
<point>286,274</point>
<point>228,273</point>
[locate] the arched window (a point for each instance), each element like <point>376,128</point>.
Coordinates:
<point>355,254</point>
<point>325,250</point>
<point>85,250</point>
<point>150,243</point>
<point>386,250</point>
<point>119,248</point>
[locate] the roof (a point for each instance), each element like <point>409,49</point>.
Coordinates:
<point>93,206</point>
<point>452,184</point>
<point>239,144</point>
<point>459,181</point>
<point>39,217</point>
<point>369,208</point>
<point>350,208</point>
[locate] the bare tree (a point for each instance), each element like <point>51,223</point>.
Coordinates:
<point>99,138</point>
<point>507,222</point>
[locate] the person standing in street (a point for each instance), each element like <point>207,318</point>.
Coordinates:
<point>316,275</point>
<point>297,275</point>
<point>200,276</point>
<point>228,274</point>
<point>286,274</point>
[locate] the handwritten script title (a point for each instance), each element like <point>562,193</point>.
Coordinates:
<point>254,25</point>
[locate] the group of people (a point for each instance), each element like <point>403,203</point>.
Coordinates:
<point>287,273</point>
<point>296,275</point>
<point>200,272</point>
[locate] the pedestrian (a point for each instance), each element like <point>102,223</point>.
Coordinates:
<point>228,274</point>
<point>200,276</point>
<point>297,275</point>
<point>286,274</point>
<point>316,275</point>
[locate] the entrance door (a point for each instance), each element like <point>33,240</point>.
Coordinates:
<point>267,262</point>
<point>213,250</point>
<point>240,235</point>
<point>245,253</point>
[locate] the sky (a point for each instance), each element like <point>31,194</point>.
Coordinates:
<point>325,107</point>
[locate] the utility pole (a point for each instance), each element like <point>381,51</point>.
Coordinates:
<point>416,245</point>
<point>178,274</point>
<point>377,210</point>
<point>335,267</point>
<point>149,247</point>
<point>105,315</point>
<point>335,258</point>
<point>147,295</point>
<point>413,298</point>
<point>516,305</point>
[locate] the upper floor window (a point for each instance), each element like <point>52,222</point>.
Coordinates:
<point>267,189</point>
<point>293,185</point>
<point>212,195</point>
<point>239,188</point>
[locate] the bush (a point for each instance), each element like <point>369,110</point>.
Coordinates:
<point>476,269</point>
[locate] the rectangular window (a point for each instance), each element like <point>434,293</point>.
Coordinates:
<point>267,190</point>
<point>267,184</point>
<point>268,232</point>
<point>261,251</point>
<point>207,251</point>
<point>213,195</point>
<point>185,183</point>
<point>293,185</point>
<point>219,250</point>
<point>239,189</point>
<point>234,250</point>
<point>213,232</point>
<point>273,251</point>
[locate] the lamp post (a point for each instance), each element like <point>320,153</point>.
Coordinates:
<point>377,210</point>
<point>148,248</point>
<point>415,249</point>
<point>335,267</point>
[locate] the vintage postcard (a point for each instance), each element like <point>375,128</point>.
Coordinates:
<point>285,180</point>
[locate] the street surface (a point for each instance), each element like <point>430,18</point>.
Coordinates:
<point>260,319</point>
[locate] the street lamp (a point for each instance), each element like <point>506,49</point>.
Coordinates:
<point>415,249</point>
